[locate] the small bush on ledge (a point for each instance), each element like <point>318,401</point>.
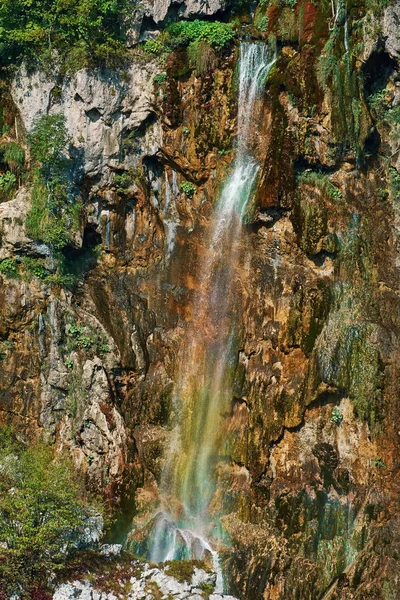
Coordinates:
<point>337,416</point>
<point>188,189</point>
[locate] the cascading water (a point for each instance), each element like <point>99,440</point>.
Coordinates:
<point>185,522</point>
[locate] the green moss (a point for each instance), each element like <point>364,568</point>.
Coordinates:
<point>351,362</point>
<point>183,570</point>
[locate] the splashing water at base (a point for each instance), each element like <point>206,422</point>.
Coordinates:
<point>184,526</point>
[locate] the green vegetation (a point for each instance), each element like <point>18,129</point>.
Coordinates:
<point>127,179</point>
<point>34,267</point>
<point>188,188</point>
<point>54,214</point>
<point>42,513</point>
<point>207,589</point>
<point>85,339</point>
<point>378,462</point>
<point>78,33</point>
<point>160,78</point>
<point>385,114</point>
<point>6,346</point>
<point>337,416</point>
<point>262,24</point>
<point>9,267</point>
<point>13,155</point>
<point>7,182</point>
<point>341,80</point>
<point>218,35</point>
<point>321,182</point>
<point>204,39</point>
<point>182,570</point>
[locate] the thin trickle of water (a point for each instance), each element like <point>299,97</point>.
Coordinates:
<point>169,218</point>
<point>184,526</point>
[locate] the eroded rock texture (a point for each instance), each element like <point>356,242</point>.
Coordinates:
<point>310,496</point>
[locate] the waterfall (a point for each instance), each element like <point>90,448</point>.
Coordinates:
<point>185,523</point>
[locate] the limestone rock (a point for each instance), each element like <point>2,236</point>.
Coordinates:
<point>13,227</point>
<point>159,9</point>
<point>391,26</point>
<point>98,106</point>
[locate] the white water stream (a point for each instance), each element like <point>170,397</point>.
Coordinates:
<point>183,526</point>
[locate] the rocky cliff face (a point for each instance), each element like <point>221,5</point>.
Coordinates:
<point>310,496</point>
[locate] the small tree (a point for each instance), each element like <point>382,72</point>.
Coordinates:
<point>41,514</point>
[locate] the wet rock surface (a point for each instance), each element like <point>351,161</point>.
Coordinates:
<point>309,494</point>
<point>150,583</point>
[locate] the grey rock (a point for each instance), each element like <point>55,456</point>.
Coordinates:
<point>391,29</point>
<point>98,107</point>
<point>111,549</point>
<point>160,9</point>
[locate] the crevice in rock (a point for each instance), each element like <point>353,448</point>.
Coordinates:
<point>93,115</point>
<point>320,258</point>
<point>376,71</point>
<point>267,217</point>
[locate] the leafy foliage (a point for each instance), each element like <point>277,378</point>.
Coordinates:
<point>216,34</point>
<point>7,182</point>
<point>34,267</point>
<point>188,188</point>
<point>81,31</point>
<point>54,213</point>
<point>13,155</point>
<point>336,416</point>
<point>41,512</point>
<point>160,78</point>
<point>9,267</point>
<point>85,339</point>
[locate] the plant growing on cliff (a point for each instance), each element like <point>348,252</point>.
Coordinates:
<point>188,188</point>
<point>9,267</point>
<point>336,416</point>
<point>321,182</point>
<point>54,214</point>
<point>13,155</point>
<point>85,339</point>
<point>7,182</point>
<point>41,513</point>
<point>216,34</point>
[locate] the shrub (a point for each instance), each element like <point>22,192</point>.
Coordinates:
<point>83,338</point>
<point>34,267</point>
<point>154,47</point>
<point>48,140</point>
<point>263,24</point>
<point>13,155</point>
<point>9,267</point>
<point>188,188</point>
<point>7,182</point>
<point>160,78</point>
<point>55,212</point>
<point>202,56</point>
<point>216,34</point>
<point>337,416</point>
<point>41,512</point>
